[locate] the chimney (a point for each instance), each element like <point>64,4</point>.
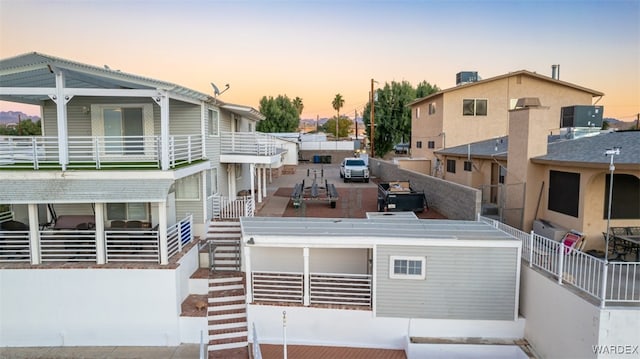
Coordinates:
<point>555,72</point>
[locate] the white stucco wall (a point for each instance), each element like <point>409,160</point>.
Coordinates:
<point>83,307</point>
<point>559,323</point>
<point>359,328</point>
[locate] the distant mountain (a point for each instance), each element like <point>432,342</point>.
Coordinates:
<point>7,117</point>
<point>617,124</point>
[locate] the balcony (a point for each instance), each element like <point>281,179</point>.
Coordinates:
<point>99,152</point>
<point>249,147</point>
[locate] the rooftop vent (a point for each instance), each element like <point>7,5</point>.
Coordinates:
<point>528,102</point>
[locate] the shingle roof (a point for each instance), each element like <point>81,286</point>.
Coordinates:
<point>584,150</point>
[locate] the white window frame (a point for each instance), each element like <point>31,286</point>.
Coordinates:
<point>185,181</point>
<point>423,267</point>
<point>211,124</point>
<point>97,126</point>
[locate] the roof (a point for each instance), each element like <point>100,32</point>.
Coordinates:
<point>590,151</point>
<point>585,151</point>
<point>245,111</point>
<point>593,93</point>
<point>282,227</point>
<point>65,190</point>
<point>37,70</point>
<point>493,148</point>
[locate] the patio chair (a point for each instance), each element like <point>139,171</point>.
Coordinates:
<point>117,224</point>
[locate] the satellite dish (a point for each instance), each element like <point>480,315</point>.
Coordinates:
<point>216,90</point>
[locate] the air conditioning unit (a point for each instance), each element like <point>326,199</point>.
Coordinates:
<point>549,230</point>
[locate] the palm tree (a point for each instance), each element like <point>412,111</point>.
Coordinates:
<point>337,104</point>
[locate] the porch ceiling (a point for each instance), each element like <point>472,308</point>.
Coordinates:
<point>83,191</point>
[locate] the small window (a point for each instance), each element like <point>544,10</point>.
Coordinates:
<point>188,188</point>
<point>128,211</point>
<point>431,144</point>
<point>468,165</point>
<point>214,121</point>
<point>213,181</point>
<point>432,108</point>
<point>564,192</point>
<point>419,144</point>
<point>503,174</point>
<point>451,166</point>
<point>473,107</point>
<point>417,112</point>
<point>404,267</point>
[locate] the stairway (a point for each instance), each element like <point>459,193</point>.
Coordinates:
<point>224,246</point>
<point>227,314</point>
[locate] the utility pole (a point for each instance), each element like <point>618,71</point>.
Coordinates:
<point>638,122</point>
<point>355,120</point>
<point>371,120</point>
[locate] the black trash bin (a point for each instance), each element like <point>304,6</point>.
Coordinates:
<point>326,159</point>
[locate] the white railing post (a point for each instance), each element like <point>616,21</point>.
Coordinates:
<point>603,290</point>
<point>560,262</point>
<point>34,144</point>
<point>179,231</point>
<point>97,151</point>
<point>189,151</point>
<point>248,274</point>
<point>530,254</point>
<point>305,277</point>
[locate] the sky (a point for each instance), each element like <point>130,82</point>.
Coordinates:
<point>317,49</point>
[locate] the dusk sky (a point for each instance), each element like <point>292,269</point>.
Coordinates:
<point>316,49</point>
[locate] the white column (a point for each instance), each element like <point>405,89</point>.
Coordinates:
<point>264,181</point>
<point>162,232</point>
<point>247,271</point>
<point>101,248</point>
<point>163,100</point>
<point>305,279</point>
<point>61,112</point>
<point>259,170</point>
<point>34,233</point>
<point>252,168</point>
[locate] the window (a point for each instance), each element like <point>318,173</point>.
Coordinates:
<point>502,175</point>
<point>213,181</point>
<point>564,192</point>
<point>214,122</point>
<point>188,188</point>
<point>238,171</point>
<point>468,165</point>
<point>419,144</point>
<point>128,211</point>
<point>417,112</point>
<point>624,197</point>
<point>431,144</point>
<point>474,107</point>
<point>451,166</point>
<point>402,267</point>
<point>432,108</point>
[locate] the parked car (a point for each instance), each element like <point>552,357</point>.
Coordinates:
<point>352,168</point>
<point>401,148</point>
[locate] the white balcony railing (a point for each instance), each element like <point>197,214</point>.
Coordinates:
<point>611,283</point>
<point>121,245</point>
<point>99,151</point>
<point>249,143</point>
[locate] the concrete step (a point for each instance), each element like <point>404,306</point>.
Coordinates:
<point>229,286</point>
<point>228,279</point>
<point>220,300</point>
<point>226,307</point>
<point>229,316</point>
<point>215,347</point>
<point>232,325</point>
<point>242,334</point>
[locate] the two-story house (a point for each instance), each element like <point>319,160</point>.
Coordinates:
<point>479,110</point>
<point>127,173</point>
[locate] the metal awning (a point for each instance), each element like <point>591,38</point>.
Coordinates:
<point>83,191</point>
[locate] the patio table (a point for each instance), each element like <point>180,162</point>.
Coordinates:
<point>633,241</point>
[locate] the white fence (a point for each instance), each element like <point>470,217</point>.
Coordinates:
<point>611,283</point>
<point>323,288</point>
<point>327,145</point>
<point>222,207</point>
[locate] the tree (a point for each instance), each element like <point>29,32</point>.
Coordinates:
<point>392,115</point>
<point>281,115</point>
<point>337,104</point>
<point>24,128</point>
<point>297,103</point>
<point>343,125</point>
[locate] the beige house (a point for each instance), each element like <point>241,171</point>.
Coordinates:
<point>531,175</point>
<point>479,111</point>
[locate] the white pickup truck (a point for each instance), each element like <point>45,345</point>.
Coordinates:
<point>353,168</point>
